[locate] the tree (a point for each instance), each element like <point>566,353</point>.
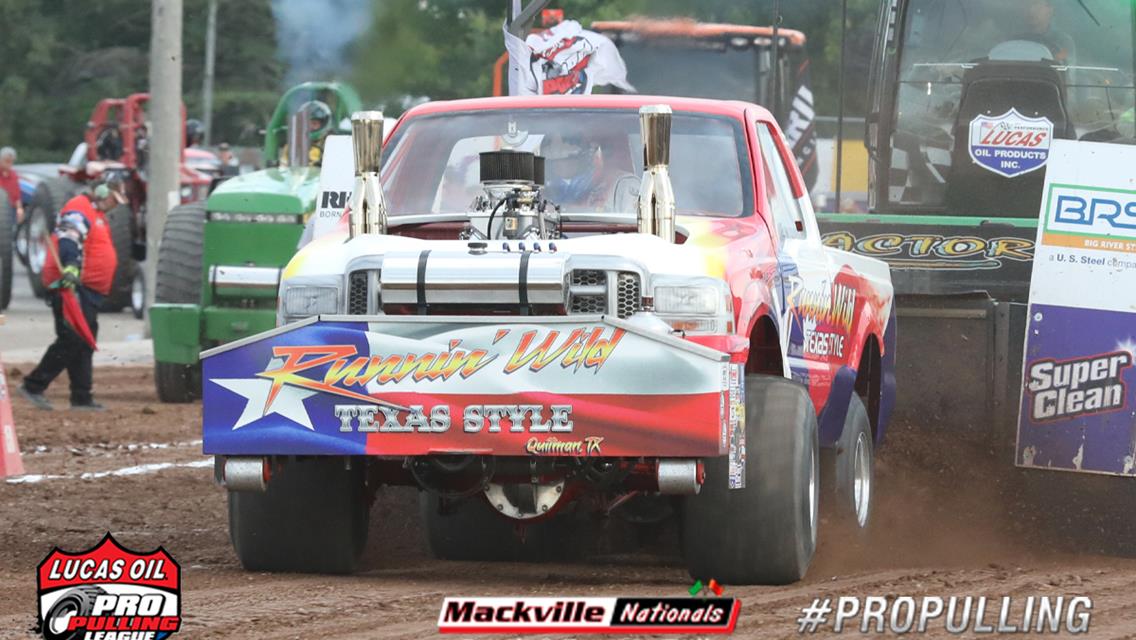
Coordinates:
<point>57,59</point>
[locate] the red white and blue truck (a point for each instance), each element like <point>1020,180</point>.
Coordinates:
<point>548,305</point>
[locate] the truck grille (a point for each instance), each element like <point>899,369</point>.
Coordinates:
<point>362,290</point>
<point>595,291</point>
<point>591,291</point>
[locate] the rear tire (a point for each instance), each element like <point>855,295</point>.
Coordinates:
<point>50,196</point>
<point>313,518</point>
<point>179,282</point>
<point>7,246</point>
<point>764,533</point>
<point>468,529</point>
<point>121,222</point>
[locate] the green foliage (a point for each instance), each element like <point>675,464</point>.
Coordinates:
<point>57,59</point>
<point>247,74</point>
<point>445,49</point>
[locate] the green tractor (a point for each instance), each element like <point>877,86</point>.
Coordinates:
<point>219,260</point>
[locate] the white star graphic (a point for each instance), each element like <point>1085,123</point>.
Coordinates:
<point>289,401</point>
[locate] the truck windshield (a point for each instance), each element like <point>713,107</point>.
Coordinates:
<point>1087,43</point>
<point>593,160</point>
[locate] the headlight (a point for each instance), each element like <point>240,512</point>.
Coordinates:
<point>703,301</point>
<point>694,305</point>
<point>304,301</point>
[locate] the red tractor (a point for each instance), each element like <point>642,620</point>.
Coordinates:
<point>116,142</point>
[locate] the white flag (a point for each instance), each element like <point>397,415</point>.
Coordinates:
<point>563,60</point>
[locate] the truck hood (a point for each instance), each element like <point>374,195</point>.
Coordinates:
<point>334,253</point>
<point>268,191</point>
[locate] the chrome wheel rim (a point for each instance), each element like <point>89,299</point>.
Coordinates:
<point>138,291</point>
<point>862,479</point>
<point>814,492</point>
<point>37,250</point>
<point>22,241</point>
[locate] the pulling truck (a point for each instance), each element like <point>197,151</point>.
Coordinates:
<point>524,352</point>
<point>965,99</point>
<point>219,260</point>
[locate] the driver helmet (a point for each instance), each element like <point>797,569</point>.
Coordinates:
<point>194,132</point>
<point>570,166</point>
<point>319,118</point>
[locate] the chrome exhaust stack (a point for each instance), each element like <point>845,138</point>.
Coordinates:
<point>299,140</point>
<point>368,204</point>
<point>656,195</point>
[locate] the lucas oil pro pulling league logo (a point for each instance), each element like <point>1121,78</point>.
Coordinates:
<point>108,592</point>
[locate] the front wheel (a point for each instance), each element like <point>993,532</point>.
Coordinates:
<point>177,383</point>
<point>311,519</point>
<point>178,281</point>
<point>765,531</point>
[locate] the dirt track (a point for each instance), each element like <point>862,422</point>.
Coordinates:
<point>947,523</point>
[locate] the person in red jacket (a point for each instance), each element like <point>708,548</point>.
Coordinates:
<point>10,181</point>
<point>86,254</point>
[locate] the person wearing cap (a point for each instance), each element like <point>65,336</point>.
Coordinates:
<point>10,181</point>
<point>87,261</point>
<point>230,166</point>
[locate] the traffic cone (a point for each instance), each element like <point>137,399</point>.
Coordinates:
<point>10,462</point>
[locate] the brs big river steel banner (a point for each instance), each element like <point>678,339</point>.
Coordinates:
<point>1078,399</point>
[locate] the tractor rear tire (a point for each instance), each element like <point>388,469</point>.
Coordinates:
<point>50,196</point>
<point>179,282</point>
<point>764,533</point>
<point>7,246</point>
<point>121,221</point>
<point>468,530</point>
<point>312,518</point>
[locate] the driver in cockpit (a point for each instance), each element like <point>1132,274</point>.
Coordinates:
<point>1038,20</point>
<point>585,173</point>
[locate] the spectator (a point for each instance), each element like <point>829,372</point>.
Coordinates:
<point>230,166</point>
<point>10,181</point>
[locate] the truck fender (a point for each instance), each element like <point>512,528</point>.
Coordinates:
<point>757,302</point>
<point>830,421</point>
